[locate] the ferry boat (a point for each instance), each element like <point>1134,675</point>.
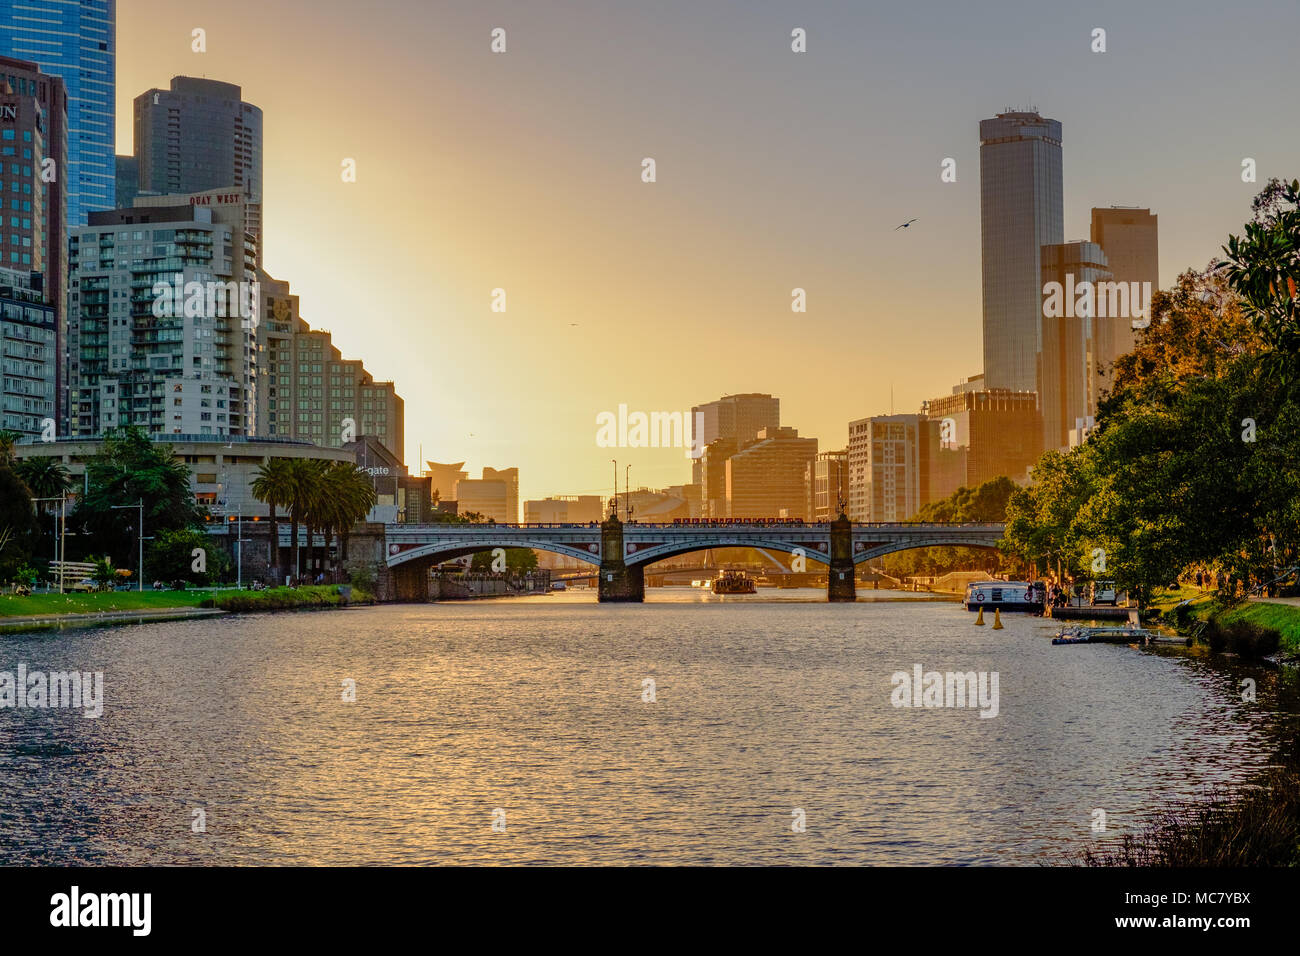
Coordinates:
<point>1002,596</point>
<point>734,582</point>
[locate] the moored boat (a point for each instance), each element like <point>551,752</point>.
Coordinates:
<point>734,582</point>
<point>1002,596</point>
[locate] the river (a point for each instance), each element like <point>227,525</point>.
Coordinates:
<point>771,737</point>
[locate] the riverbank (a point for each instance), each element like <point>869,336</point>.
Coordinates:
<point>1261,628</point>
<point>114,608</point>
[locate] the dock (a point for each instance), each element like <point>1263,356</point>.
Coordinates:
<point>1071,613</point>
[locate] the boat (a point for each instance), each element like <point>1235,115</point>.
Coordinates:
<point>1002,596</point>
<point>734,582</point>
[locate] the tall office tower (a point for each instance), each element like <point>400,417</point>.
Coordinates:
<point>1020,212</point>
<point>765,479</point>
<point>889,466</point>
<point>29,360</point>
<point>733,417</point>
<point>827,481</point>
<point>75,40</point>
<point>1130,238</point>
<point>33,205</point>
<point>1067,359</point>
<point>162,307</point>
<point>983,434</point>
<point>197,136</point>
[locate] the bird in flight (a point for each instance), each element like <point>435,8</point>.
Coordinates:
<point>904,225</point>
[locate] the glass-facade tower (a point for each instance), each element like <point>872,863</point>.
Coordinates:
<point>75,40</point>
<point>1020,213</point>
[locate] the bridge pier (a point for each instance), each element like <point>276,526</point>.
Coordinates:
<point>409,582</point>
<point>618,582</point>
<point>840,585</point>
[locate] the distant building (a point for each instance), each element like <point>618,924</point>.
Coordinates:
<point>711,468</point>
<point>196,136</point>
<point>401,497</point>
<point>765,479</point>
<point>1067,346</point>
<point>128,180</point>
<point>495,496</point>
<point>444,478</point>
<point>657,507</point>
<point>1021,211</point>
<point>28,344</point>
<point>1130,239</point>
<point>983,434</point>
<point>570,509</point>
<point>827,483</point>
<point>736,418</point>
<point>889,461</point>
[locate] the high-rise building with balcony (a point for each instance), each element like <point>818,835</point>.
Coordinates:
<point>28,360</point>
<point>75,40</point>
<point>163,307</point>
<point>736,418</point>
<point>1021,211</point>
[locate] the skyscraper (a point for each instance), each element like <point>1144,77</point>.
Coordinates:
<point>76,41</point>
<point>1067,355</point>
<point>1129,237</point>
<point>737,418</point>
<point>33,150</point>
<point>1020,212</point>
<point>199,135</point>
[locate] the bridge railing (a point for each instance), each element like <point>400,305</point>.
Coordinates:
<point>702,523</point>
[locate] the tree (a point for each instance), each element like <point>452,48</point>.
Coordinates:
<point>1263,267</point>
<point>304,485</point>
<point>518,560</point>
<point>129,469</point>
<point>273,485</point>
<point>170,557</point>
<point>18,528</point>
<point>45,475</point>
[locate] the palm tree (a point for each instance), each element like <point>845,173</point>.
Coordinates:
<point>44,476</point>
<point>351,495</point>
<point>7,441</point>
<point>273,484</point>
<point>304,488</point>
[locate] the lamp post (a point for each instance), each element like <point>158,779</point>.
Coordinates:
<point>627,494</point>
<point>60,533</point>
<point>614,509</point>
<point>140,507</point>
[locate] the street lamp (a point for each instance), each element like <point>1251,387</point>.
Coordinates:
<point>627,495</point>
<point>140,507</point>
<point>614,501</point>
<point>60,534</point>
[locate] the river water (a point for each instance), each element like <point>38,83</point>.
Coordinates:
<point>770,712</point>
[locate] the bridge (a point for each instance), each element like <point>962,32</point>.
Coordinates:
<point>622,551</point>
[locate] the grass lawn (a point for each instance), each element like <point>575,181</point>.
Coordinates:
<point>1282,618</point>
<point>37,604</point>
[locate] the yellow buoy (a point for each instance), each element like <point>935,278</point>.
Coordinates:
<point>979,621</point>
<point>997,619</point>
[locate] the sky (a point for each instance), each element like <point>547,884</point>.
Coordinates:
<point>775,170</point>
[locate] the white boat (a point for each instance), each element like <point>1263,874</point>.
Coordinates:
<point>1002,596</point>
